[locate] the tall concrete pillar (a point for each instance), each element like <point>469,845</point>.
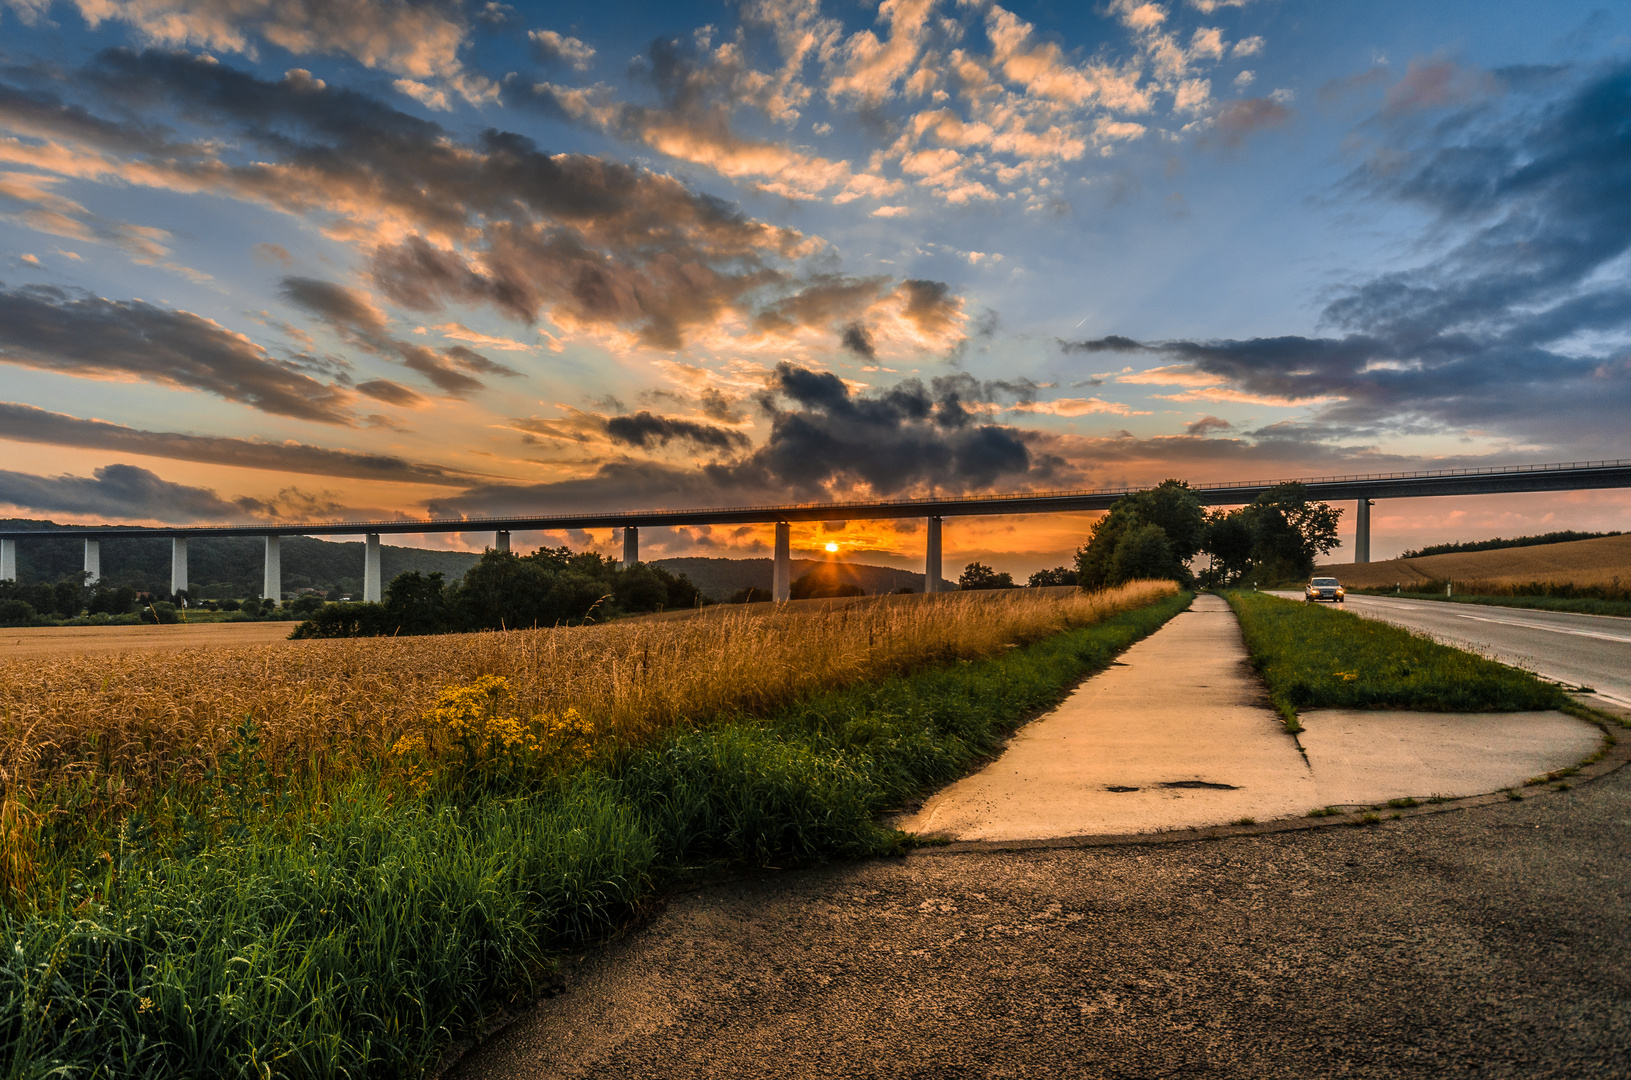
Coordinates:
<point>1362,532</point>
<point>93,561</point>
<point>8,560</point>
<point>782,579</point>
<point>931,558</point>
<point>272,580</point>
<point>501,541</point>
<point>631,545</point>
<point>178,564</point>
<point>371,592</point>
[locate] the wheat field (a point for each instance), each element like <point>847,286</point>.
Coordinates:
<point>1605,560</point>
<point>118,724</point>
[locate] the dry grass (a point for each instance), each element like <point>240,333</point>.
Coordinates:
<point>1602,561</point>
<point>60,642</point>
<point>121,724</point>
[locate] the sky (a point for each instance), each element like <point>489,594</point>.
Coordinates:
<point>294,260</point>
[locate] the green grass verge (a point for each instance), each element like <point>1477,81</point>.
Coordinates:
<point>353,934</point>
<point>1315,657</point>
<point>1578,605</point>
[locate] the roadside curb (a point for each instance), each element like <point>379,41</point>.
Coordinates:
<point>1614,754</point>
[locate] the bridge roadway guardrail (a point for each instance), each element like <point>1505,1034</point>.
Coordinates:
<point>1558,476</point>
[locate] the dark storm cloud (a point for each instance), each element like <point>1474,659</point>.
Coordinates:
<point>825,441</point>
<point>81,334</point>
<point>114,492</point>
<point>493,220</point>
<point>858,340</point>
<point>25,423</point>
<point>1519,325</point>
<point>907,436</point>
<point>644,430</point>
<point>355,318</point>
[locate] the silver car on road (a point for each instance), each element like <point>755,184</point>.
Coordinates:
<point>1323,588</point>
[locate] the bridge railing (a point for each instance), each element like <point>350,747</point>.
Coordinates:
<point>769,510</point>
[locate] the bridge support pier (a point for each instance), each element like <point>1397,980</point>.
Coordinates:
<point>501,541</point>
<point>631,546</point>
<point>371,592</point>
<point>178,564</point>
<point>781,582</point>
<point>8,560</point>
<point>931,558</point>
<point>1362,532</point>
<point>272,579</point>
<point>93,561</point>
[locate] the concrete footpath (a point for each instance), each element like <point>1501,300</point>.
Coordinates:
<point>1180,734</point>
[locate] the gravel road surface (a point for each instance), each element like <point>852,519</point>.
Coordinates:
<point>1487,942</point>
<point>1582,650</point>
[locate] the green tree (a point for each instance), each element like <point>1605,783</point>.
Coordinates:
<point>1229,542</point>
<point>977,575</point>
<point>1289,532</point>
<point>1059,575</point>
<point>1145,552</point>
<point>1172,507</point>
<point>416,604</point>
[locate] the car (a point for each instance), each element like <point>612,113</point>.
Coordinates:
<point>1323,588</point>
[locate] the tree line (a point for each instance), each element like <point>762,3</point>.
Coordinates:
<point>506,590</point>
<point>1158,532</point>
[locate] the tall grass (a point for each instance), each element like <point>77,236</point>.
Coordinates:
<point>110,726</point>
<point>344,926</point>
<point>1314,657</point>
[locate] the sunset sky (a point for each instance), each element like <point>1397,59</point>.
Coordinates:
<point>316,259</point>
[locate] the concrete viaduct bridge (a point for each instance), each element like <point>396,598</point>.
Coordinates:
<point>1363,489</point>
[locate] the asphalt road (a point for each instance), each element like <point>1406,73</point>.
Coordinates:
<point>1488,942</point>
<point>1582,650</point>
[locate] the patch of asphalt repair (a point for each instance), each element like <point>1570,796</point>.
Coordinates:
<point>1486,937</point>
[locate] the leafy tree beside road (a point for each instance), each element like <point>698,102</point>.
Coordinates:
<point>1157,532</point>
<point>1149,534</point>
<point>1275,538</point>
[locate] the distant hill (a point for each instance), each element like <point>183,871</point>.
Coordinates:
<point>1578,562</point>
<point>227,565</point>
<point>720,578</point>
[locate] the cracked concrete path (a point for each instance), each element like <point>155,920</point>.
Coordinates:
<point>1179,734</point>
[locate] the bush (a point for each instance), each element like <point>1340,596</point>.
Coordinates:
<point>160,611</point>
<point>14,612</point>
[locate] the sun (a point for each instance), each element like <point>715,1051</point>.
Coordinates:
<point>831,546</point>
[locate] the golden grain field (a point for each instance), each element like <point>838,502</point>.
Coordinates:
<point>126,722</point>
<point>1602,561</point>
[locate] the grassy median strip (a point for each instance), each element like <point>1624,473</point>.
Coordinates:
<point>1315,657</point>
<point>262,922</point>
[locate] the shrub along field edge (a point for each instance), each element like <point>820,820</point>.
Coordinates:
<point>1315,657</point>
<point>355,933</point>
